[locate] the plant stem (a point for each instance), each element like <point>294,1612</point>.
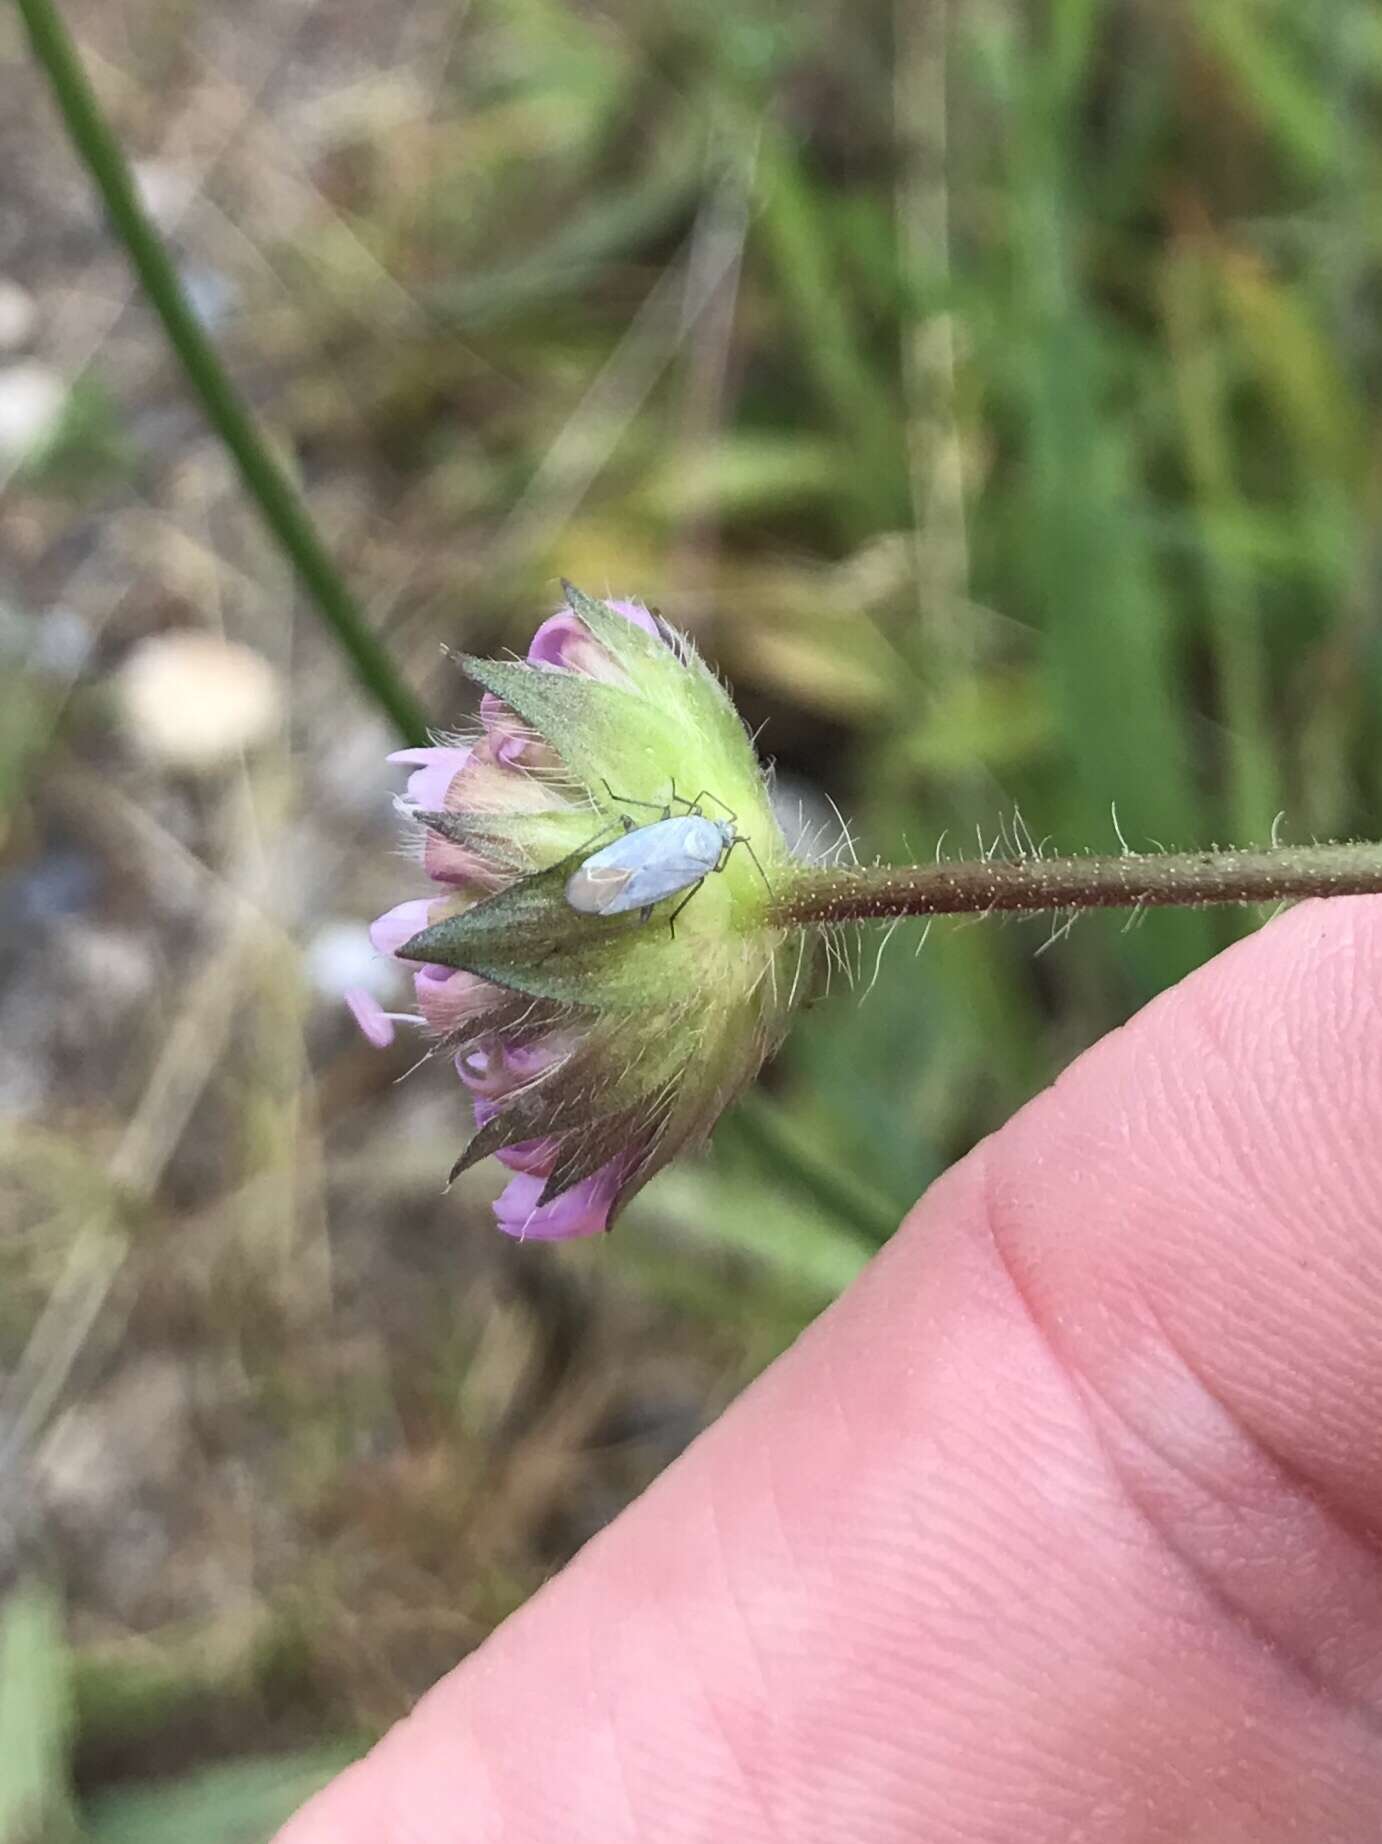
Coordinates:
<point>1132,880</point>
<point>265,481</point>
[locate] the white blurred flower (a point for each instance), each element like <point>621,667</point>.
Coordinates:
<point>340,956</point>
<point>193,701</point>
<point>31,401</point>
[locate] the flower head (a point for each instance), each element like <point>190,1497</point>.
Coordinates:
<point>596,953</point>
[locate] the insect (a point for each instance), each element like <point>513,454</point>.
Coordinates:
<point>656,860</point>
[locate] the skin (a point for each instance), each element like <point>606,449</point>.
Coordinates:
<point>1062,1524</point>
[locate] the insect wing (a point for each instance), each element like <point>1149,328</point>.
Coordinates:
<point>646,865</point>
<point>595,889</point>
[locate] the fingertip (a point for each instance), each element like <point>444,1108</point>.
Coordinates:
<point>1200,1189</point>
<point>897,1590</point>
<point>347,1811</point>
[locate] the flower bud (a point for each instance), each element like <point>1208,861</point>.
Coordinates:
<point>597,953</point>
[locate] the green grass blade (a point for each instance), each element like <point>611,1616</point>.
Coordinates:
<point>35,1719</point>
<point>243,1803</point>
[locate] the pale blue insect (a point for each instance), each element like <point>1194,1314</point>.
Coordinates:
<point>650,863</point>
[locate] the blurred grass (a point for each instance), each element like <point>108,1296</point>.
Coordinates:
<point>995,394</point>
<point>35,1716</point>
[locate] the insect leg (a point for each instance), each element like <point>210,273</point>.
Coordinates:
<point>740,839</point>
<point>705,794</point>
<point>672,919</point>
<point>627,800</point>
<point>678,800</point>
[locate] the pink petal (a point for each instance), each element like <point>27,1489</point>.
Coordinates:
<point>488,785</point>
<point>565,641</point>
<point>448,999</point>
<point>508,736</point>
<point>494,1069</point>
<point>535,1156</point>
<point>553,641</point>
<point>635,612</point>
<point>370,1015</point>
<point>399,924</point>
<point>581,1211</point>
<point>484,783</point>
<point>436,769</point>
<point>446,862</point>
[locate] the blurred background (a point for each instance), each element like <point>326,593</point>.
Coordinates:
<point>991,388</point>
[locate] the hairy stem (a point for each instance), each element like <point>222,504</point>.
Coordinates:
<point>1132,880</point>
<point>265,481</point>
